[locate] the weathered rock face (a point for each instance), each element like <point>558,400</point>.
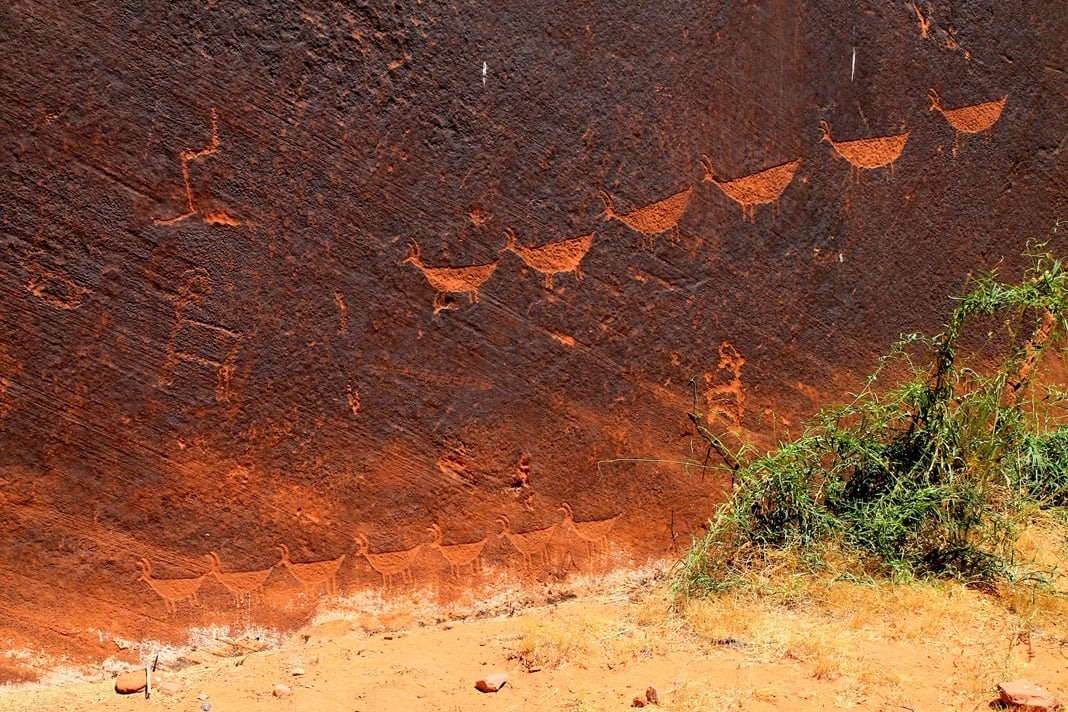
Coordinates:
<point>284,275</point>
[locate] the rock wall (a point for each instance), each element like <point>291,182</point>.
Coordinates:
<point>297,274</point>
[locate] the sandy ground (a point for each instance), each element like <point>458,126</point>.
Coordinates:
<point>828,645</point>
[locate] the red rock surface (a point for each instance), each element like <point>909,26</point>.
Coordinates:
<point>212,338</point>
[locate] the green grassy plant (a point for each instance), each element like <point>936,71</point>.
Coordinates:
<point>930,476</point>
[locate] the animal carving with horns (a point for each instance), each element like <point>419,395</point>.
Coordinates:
<point>313,574</point>
<point>172,591</point>
<point>458,555</point>
<point>389,563</point>
<point>593,533</point>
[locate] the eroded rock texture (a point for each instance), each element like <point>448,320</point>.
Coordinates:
<point>323,275</point>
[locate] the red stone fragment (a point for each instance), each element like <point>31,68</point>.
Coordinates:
<point>651,696</point>
<point>491,683</point>
<point>1026,694</point>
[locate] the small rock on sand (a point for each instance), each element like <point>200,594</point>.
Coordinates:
<point>134,681</point>
<point>651,696</point>
<point>1028,695</point>
<point>281,691</point>
<point>491,683</point>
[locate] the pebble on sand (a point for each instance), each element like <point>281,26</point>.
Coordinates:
<point>134,681</point>
<point>491,683</point>
<point>1027,694</point>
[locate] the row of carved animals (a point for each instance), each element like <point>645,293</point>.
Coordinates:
<point>314,575</point>
<point>760,188</point>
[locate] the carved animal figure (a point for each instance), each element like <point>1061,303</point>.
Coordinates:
<point>553,258</point>
<point>867,153</point>
<point>313,574</point>
<point>171,590</point>
<point>593,533</point>
<point>529,544</point>
<point>239,583</point>
<point>458,555</point>
<point>652,219</point>
<point>969,119</point>
<point>450,280</point>
<point>389,563</point>
<point>763,187</point>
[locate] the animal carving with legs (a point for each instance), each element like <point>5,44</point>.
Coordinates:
<point>755,189</point>
<point>977,118</point>
<point>389,563</point>
<point>458,555</point>
<point>867,153</point>
<point>171,590</point>
<point>553,258</point>
<point>653,219</point>
<point>239,583</point>
<point>593,533</point>
<point>530,544</point>
<point>313,574</point>
<point>450,280</point>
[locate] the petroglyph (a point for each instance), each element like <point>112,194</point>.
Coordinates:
<point>923,21</point>
<point>594,533</point>
<point>215,217</point>
<point>343,316</point>
<point>54,288</point>
<point>763,187</point>
<point>196,341</point>
<point>389,563</point>
<point>529,544</point>
<point>726,393</point>
<point>552,258</point>
<point>221,217</point>
<point>204,336</point>
<point>314,574</point>
<point>869,153</point>
<point>451,280</point>
<point>353,397</point>
<point>172,591</point>
<point>243,584</point>
<point>652,219</point>
<point>459,555</point>
<point>975,118</point>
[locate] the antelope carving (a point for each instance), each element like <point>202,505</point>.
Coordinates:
<point>389,563</point>
<point>593,533</point>
<point>313,574</point>
<point>653,219</point>
<point>172,591</point>
<point>239,583</point>
<point>763,187</point>
<point>977,118</point>
<point>450,280</point>
<point>529,544</point>
<point>458,555</point>
<point>552,258</point>
<point>867,153</point>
